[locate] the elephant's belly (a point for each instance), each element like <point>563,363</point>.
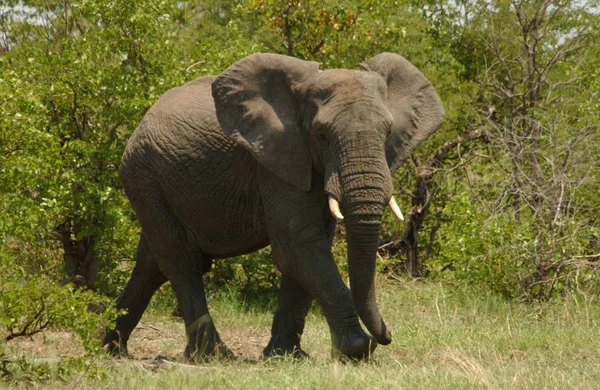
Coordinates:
<point>226,234</point>
<point>221,218</point>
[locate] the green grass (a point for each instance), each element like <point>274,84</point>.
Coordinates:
<point>444,337</point>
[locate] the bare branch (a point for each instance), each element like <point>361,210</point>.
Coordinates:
<point>36,321</point>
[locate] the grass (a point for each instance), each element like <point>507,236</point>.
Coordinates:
<point>444,337</point>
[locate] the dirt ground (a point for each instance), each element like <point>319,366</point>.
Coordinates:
<point>164,339</point>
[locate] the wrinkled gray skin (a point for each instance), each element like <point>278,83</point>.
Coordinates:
<point>226,165</point>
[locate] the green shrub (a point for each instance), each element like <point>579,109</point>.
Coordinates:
<point>504,253</point>
<point>253,274</point>
<point>30,304</point>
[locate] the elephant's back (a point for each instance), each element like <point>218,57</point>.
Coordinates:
<point>183,114</point>
<point>180,129</point>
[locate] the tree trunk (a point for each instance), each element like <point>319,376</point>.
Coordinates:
<point>412,264</point>
<point>407,247</point>
<point>81,262</point>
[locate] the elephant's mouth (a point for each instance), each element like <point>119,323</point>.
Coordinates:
<point>334,208</point>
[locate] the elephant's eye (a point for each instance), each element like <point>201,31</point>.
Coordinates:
<point>388,131</point>
<point>320,138</point>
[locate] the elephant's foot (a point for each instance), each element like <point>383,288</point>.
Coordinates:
<point>204,342</point>
<point>354,344</point>
<point>114,344</point>
<point>281,347</point>
<point>212,350</point>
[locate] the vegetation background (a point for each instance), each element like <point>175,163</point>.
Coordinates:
<point>502,202</point>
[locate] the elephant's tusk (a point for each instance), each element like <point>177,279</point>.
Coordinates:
<point>396,209</point>
<point>334,207</point>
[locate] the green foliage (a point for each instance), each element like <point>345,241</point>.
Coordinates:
<point>474,249</point>
<point>32,301</point>
<point>70,99</point>
<point>305,29</point>
<point>253,274</point>
<point>520,216</point>
<point>20,371</point>
<point>31,304</point>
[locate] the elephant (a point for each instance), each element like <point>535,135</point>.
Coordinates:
<point>273,151</point>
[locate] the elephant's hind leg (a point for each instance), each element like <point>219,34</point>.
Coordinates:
<point>183,263</point>
<point>289,320</point>
<point>203,339</point>
<point>144,281</point>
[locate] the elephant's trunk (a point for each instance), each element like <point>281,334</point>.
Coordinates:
<point>363,240</point>
<point>366,187</point>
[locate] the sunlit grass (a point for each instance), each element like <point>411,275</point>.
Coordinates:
<point>444,336</point>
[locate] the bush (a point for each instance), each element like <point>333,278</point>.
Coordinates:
<point>502,253</point>
<point>30,304</point>
<point>253,274</point>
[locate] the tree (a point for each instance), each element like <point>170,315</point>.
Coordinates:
<point>532,61</point>
<point>81,75</point>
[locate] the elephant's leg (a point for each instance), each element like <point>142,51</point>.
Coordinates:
<point>203,339</point>
<point>145,279</point>
<point>288,323</point>
<point>183,264</point>
<point>315,270</point>
<point>301,242</point>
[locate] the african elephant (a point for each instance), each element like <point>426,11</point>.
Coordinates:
<point>273,151</point>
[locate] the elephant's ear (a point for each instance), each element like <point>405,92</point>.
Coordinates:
<point>258,106</point>
<point>416,108</point>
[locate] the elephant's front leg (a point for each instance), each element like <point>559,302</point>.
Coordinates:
<point>289,320</point>
<point>299,236</point>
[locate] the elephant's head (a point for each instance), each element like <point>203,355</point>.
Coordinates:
<point>354,127</point>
